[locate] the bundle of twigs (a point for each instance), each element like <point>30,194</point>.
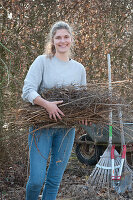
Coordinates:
<point>91,103</point>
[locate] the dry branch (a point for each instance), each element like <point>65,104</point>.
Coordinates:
<point>91,103</point>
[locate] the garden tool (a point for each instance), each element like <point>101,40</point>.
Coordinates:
<point>101,175</point>
<point>123,182</point>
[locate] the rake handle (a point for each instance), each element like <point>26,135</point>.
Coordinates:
<point>110,96</point>
<point>124,152</point>
<point>112,152</point>
<point>112,159</point>
<point>122,162</point>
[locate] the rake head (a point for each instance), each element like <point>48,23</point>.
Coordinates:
<point>101,175</point>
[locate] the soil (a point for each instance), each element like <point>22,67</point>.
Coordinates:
<point>74,185</point>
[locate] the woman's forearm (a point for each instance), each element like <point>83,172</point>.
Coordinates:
<point>40,101</point>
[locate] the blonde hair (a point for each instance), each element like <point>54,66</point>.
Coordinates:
<point>50,48</point>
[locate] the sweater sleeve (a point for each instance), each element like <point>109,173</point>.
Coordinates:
<point>83,77</point>
<point>33,80</point>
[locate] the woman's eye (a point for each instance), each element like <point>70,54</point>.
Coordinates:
<point>57,38</point>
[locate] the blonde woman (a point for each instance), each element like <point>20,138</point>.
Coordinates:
<point>53,69</point>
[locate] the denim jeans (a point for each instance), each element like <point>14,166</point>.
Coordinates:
<point>58,142</point>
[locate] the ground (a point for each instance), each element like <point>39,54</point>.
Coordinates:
<point>74,185</point>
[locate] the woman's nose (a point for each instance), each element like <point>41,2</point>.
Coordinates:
<point>62,39</point>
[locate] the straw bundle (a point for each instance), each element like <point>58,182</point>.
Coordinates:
<point>91,103</point>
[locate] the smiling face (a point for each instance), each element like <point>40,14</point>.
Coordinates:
<point>62,41</point>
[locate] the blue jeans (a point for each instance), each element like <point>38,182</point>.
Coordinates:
<point>59,142</point>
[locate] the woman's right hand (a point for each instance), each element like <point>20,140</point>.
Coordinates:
<point>53,110</point>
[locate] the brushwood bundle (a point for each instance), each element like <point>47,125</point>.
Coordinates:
<point>91,103</point>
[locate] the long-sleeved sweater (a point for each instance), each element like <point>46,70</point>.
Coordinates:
<point>51,72</point>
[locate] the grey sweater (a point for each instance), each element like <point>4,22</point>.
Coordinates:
<point>48,73</point>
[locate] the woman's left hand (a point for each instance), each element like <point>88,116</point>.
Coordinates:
<point>85,122</point>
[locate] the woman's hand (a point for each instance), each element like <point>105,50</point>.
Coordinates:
<point>51,107</point>
<point>53,110</point>
<point>85,122</point>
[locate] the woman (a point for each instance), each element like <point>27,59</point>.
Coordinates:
<point>54,69</point>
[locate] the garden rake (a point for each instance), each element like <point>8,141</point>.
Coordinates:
<point>123,181</point>
<point>101,174</point>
